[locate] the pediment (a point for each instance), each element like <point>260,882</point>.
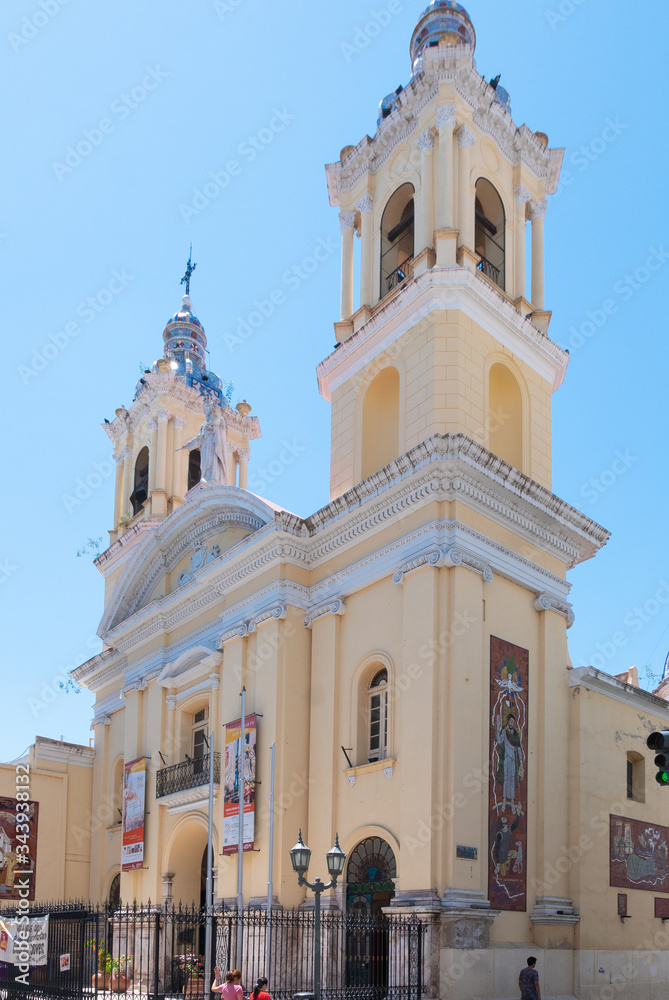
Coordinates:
<point>183,547</point>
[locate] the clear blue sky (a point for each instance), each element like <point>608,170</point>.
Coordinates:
<point>167,93</point>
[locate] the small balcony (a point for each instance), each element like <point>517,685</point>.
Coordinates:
<point>488,268</point>
<point>399,275</point>
<point>187,782</point>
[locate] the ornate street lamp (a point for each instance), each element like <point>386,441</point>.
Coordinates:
<point>300,856</point>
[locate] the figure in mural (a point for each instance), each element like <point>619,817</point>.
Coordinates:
<point>502,854</point>
<point>639,855</point>
<point>510,761</point>
<point>212,443</point>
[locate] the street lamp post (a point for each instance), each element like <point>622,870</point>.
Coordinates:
<point>300,856</point>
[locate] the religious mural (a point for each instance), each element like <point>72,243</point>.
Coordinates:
<point>18,849</point>
<point>639,855</point>
<point>508,775</point>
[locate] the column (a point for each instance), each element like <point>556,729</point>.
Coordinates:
<point>522,196</point>
<point>347,226</point>
<point>152,425</point>
<point>243,454</point>
<point>128,484</point>
<point>446,124</point>
<point>466,140</point>
<point>425,214</point>
<point>179,460</point>
<point>120,460</point>
<point>162,416</point>
<point>365,208</point>
<point>168,879</point>
<point>537,216</point>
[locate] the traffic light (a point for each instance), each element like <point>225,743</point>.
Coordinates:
<point>659,742</point>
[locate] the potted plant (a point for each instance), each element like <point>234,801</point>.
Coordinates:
<point>194,972</point>
<point>121,973</point>
<point>102,978</point>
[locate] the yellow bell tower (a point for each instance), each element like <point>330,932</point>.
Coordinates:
<point>446,338</point>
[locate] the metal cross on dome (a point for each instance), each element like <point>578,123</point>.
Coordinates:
<point>189,271</point>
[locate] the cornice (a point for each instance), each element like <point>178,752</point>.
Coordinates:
<point>437,289</point>
<point>611,687</point>
<point>336,607</point>
<point>452,64</point>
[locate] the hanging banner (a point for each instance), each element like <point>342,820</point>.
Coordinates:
<point>233,780</point>
<point>24,943</point>
<point>134,797</point>
<point>509,667</point>
<point>18,849</point>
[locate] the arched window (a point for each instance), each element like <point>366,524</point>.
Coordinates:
<point>377,707</point>
<point>115,892</point>
<point>397,230</point>
<point>370,876</point>
<point>505,416</point>
<point>194,469</point>
<point>140,492</point>
<point>380,422</point>
<point>489,232</point>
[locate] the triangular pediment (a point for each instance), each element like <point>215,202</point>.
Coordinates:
<point>177,551</point>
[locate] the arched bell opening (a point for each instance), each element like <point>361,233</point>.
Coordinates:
<point>397,239</point>
<point>489,233</point>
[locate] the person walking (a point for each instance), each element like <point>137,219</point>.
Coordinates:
<point>258,992</point>
<point>230,989</point>
<point>528,982</point>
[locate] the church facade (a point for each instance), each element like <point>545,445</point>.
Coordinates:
<point>404,648</point>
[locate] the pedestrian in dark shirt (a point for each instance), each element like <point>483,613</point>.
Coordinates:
<point>528,982</point>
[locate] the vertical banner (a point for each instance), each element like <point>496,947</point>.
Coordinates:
<point>233,781</point>
<point>134,797</point>
<point>507,885</point>
<point>18,849</point>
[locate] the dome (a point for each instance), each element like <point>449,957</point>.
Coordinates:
<point>184,336</point>
<point>186,314</point>
<point>443,21</point>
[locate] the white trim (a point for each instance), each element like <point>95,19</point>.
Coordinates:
<point>611,687</point>
<point>64,753</point>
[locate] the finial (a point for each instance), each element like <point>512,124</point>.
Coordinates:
<point>189,271</point>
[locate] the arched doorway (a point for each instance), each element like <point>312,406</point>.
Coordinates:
<point>188,860</point>
<point>370,886</point>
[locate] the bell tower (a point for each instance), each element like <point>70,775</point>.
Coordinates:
<point>446,337</point>
<point>161,449</point>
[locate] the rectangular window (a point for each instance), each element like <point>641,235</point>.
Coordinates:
<point>378,726</point>
<point>200,736</point>
<point>630,779</point>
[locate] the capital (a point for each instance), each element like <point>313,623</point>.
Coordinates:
<point>522,195</point>
<point>347,220</point>
<point>446,116</point>
<point>162,415</point>
<point>243,454</point>
<point>122,455</point>
<point>171,701</point>
<point>465,136</point>
<point>537,209</point>
<point>365,204</point>
<point>425,141</point>
<point>179,423</point>
<point>152,423</point>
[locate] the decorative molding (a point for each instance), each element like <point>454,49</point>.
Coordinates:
<point>162,415</point>
<point>275,613</point>
<point>243,454</point>
<point>554,910</point>
<point>347,220</point>
<point>431,557</point>
<point>547,602</point>
<point>446,116</point>
<point>336,607</point>
<point>236,632</point>
<point>465,136</point>
<point>122,455</point>
<point>188,800</point>
<point>101,720</point>
<point>388,771</point>
<point>215,681</point>
<point>152,423</point>
<point>425,141</point>
<point>458,557</point>
<point>537,210</point>
<point>627,694</point>
<point>365,204</point>
<point>522,195</point>
<point>171,702</point>
<point>351,779</point>
<point>179,423</point>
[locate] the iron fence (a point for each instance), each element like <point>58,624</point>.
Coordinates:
<point>187,774</point>
<point>150,953</point>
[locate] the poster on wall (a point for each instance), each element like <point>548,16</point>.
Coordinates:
<point>507,849</point>
<point>18,938</point>
<point>234,779</point>
<point>18,849</point>
<point>134,796</point>
<point>639,854</point>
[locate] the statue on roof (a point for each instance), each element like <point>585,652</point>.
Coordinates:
<point>212,442</point>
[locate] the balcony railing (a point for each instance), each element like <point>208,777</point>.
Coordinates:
<point>188,774</point>
<point>489,269</point>
<point>397,276</point>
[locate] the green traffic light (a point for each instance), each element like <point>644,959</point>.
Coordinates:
<point>662,777</point>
